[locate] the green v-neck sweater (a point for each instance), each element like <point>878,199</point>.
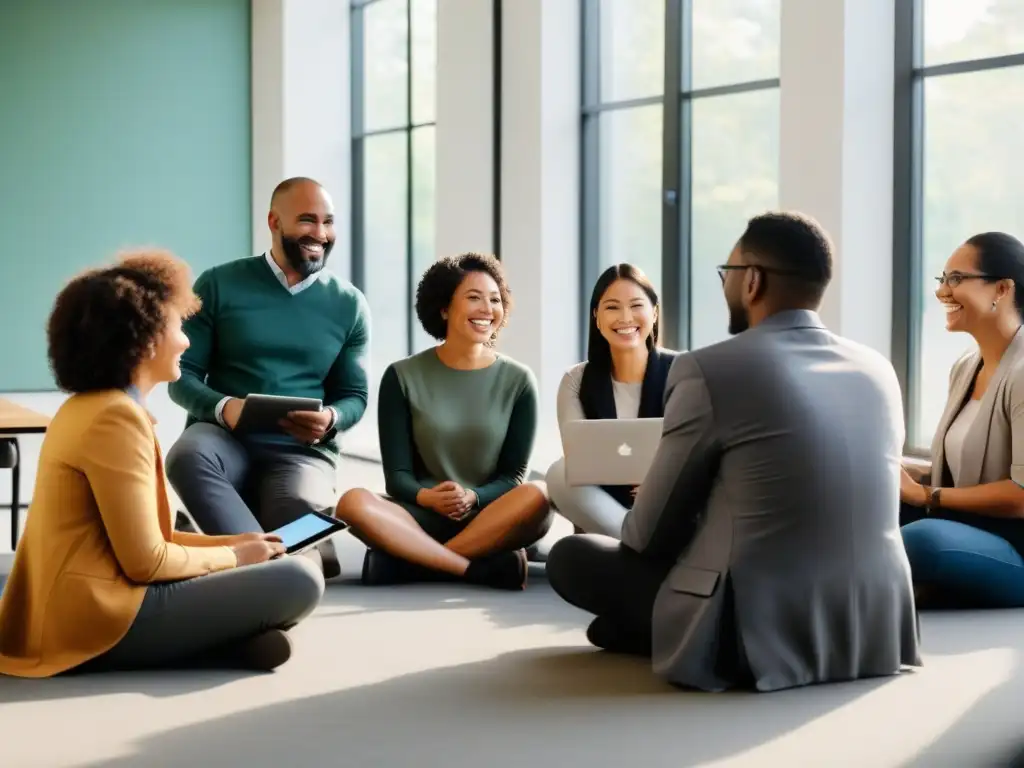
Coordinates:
<point>252,336</point>
<point>437,423</point>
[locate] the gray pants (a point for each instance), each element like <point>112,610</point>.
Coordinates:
<point>587,507</point>
<point>230,486</point>
<point>201,619</point>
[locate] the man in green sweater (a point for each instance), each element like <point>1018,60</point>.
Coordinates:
<point>275,324</point>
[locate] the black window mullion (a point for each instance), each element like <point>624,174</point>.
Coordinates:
<point>676,188</point>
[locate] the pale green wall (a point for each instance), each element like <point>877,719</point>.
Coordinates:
<point>122,123</point>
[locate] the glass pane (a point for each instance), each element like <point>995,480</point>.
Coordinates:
<point>424,60</point>
<point>735,176</point>
<point>735,41</point>
<point>630,189</point>
<point>632,48</point>
<point>973,166</point>
<point>385,65</point>
<point>424,186</point>
<point>960,30</point>
<point>384,221</point>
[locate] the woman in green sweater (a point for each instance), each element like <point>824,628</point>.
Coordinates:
<point>456,425</point>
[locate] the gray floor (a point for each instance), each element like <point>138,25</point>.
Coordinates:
<point>453,676</point>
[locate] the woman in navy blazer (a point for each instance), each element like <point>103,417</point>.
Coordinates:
<point>623,378</point>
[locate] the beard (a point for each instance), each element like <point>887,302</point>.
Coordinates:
<point>299,260</point>
<point>739,320</point>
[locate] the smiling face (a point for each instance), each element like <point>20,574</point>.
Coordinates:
<point>302,223</point>
<point>476,312</point>
<point>164,360</point>
<point>625,315</point>
<point>969,297</point>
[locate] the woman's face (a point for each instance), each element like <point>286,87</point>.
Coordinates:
<point>625,316</point>
<point>164,363</point>
<point>968,299</point>
<point>476,311</point>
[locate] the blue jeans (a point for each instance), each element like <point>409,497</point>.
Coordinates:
<point>979,567</point>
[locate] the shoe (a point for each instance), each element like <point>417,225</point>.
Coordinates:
<point>329,559</point>
<point>383,569</point>
<point>264,652</point>
<point>506,570</point>
<point>605,635</point>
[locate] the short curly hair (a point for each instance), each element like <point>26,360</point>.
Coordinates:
<point>105,321</point>
<point>437,288</point>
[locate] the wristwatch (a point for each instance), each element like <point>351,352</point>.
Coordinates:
<point>933,498</point>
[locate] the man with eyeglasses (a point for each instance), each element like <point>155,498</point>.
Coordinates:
<point>763,549</point>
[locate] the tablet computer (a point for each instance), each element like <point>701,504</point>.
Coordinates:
<point>261,413</point>
<point>310,529</point>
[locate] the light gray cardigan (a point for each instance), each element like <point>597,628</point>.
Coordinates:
<point>993,448</point>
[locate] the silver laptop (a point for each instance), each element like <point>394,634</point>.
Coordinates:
<point>609,451</point>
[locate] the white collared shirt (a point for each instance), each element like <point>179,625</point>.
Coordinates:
<point>283,279</point>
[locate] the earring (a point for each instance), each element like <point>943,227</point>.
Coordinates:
<point>994,306</point>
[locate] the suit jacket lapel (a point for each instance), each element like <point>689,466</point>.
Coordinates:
<point>977,438</point>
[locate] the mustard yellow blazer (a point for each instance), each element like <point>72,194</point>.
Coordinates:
<point>99,530</point>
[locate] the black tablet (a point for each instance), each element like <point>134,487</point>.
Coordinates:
<point>299,535</point>
<point>262,413</point>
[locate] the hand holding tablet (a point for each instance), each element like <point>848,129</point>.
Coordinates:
<point>264,413</point>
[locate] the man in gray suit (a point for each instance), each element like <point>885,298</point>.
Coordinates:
<point>763,549</point>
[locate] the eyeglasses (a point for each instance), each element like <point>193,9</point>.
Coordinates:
<point>953,279</point>
<point>724,269</point>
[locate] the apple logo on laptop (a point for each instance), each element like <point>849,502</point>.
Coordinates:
<point>625,450</point>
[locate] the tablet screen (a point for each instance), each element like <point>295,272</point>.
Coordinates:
<point>300,530</point>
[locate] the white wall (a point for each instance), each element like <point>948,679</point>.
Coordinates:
<point>835,159</point>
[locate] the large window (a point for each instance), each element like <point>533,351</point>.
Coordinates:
<point>680,145</point>
<point>960,162</point>
<point>394,49</point>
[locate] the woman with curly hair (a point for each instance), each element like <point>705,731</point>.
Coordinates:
<point>456,424</point>
<point>100,579</point>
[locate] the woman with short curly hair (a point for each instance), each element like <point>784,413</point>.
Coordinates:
<point>456,425</point>
<point>100,579</point>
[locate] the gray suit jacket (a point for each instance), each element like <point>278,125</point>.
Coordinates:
<point>775,490</point>
<point>992,449</point>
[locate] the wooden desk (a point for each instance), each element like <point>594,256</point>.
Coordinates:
<point>16,420</point>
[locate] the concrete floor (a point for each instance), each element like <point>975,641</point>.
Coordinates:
<point>452,676</point>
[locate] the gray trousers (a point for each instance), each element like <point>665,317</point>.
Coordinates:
<point>202,619</point>
<point>588,507</point>
<point>230,486</point>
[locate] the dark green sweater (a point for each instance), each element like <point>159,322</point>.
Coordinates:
<point>253,336</point>
<point>437,423</point>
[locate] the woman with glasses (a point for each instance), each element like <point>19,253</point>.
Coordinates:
<point>963,518</point>
<point>623,378</point>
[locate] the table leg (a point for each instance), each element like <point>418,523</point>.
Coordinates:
<point>15,499</point>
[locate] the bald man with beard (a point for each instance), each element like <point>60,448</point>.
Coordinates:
<point>273,324</point>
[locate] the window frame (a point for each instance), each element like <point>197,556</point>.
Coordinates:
<point>359,135</point>
<point>908,195</point>
<point>677,149</point>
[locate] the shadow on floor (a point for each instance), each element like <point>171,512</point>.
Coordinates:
<point>543,707</point>
<point>980,737</point>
